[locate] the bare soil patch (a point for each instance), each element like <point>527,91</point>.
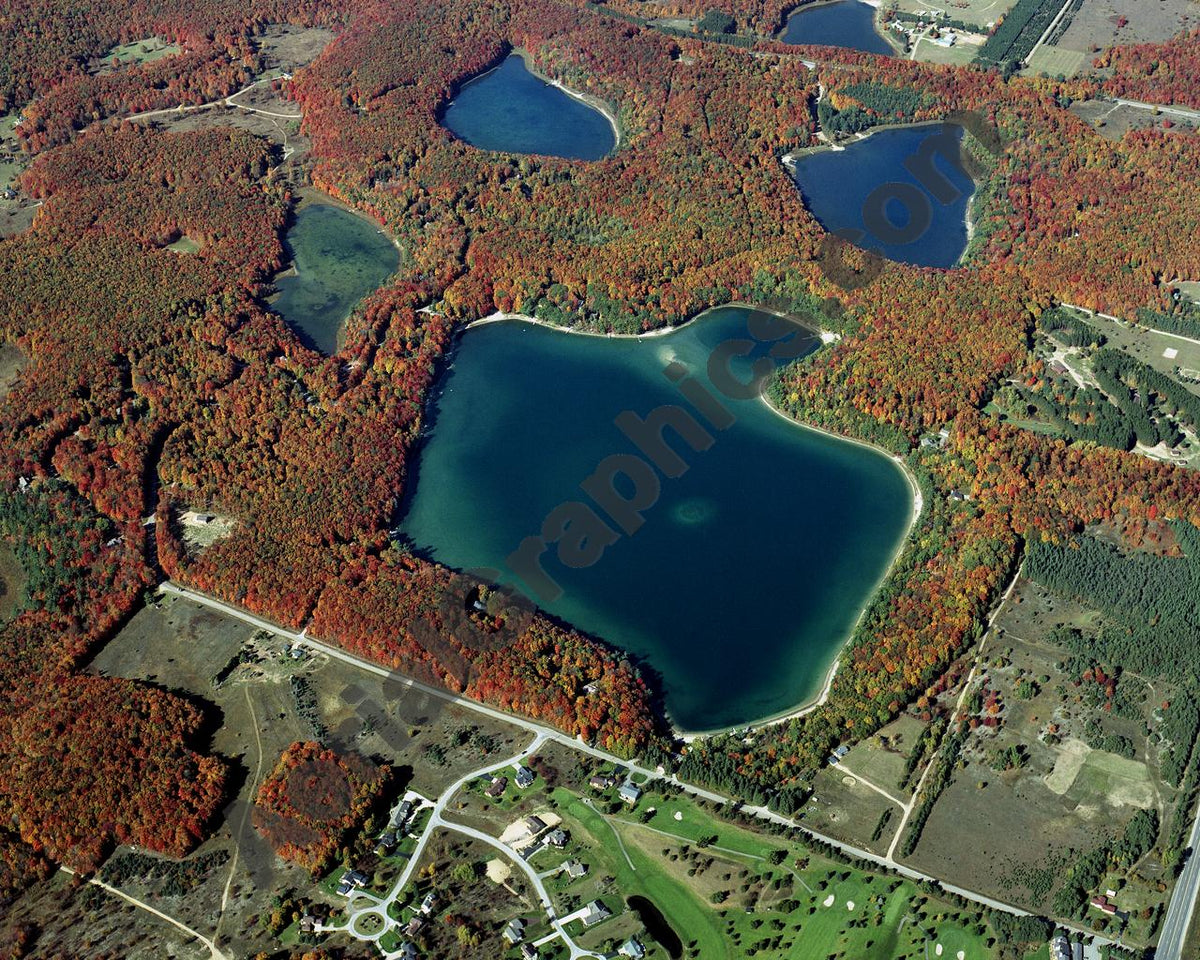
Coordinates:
<point>1112,121</point>
<point>288,47</point>
<point>1105,23</point>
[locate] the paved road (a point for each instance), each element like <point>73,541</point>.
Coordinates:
<point>1183,903</point>
<point>363,905</point>
<point>549,734</point>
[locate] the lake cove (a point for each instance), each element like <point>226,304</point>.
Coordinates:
<point>512,110</point>
<point>846,188</point>
<point>338,258</point>
<point>843,23</point>
<point>750,568</point>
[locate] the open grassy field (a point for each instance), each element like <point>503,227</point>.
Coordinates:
<point>844,808</point>
<point>1112,121</point>
<point>882,758</point>
<point>184,244</point>
<point>266,701</point>
<point>1056,61</point>
<point>1098,23</point>
<point>959,55</point>
<point>1012,831</point>
<point>1169,354</point>
<point>978,12</point>
<point>134,54</point>
<point>287,46</point>
<point>12,362</point>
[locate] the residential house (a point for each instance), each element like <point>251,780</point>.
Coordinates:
<point>632,948</point>
<point>1104,905</point>
<point>515,931</point>
<point>414,926</point>
<point>535,825</point>
<point>386,843</point>
<point>401,813</point>
<point>601,782</point>
<point>525,777</point>
<point>497,787</point>
<point>575,869</point>
<point>528,952</point>
<point>1060,948</point>
<point>556,838</point>
<point>629,792</point>
<point>595,912</point>
<point>408,950</point>
<point>351,881</point>
<point>430,901</point>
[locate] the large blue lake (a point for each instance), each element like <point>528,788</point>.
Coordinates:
<point>846,189</point>
<point>511,110</point>
<point>844,23</point>
<point>751,567</point>
<point>339,257</point>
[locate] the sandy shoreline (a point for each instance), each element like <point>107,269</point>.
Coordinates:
<point>812,703</point>
<point>826,336</point>
<point>587,99</point>
<point>918,503</point>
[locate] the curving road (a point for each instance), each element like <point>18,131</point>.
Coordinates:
<point>178,924</point>
<point>549,734</point>
<point>363,905</point>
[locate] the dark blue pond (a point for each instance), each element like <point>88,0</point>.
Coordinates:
<point>845,23</point>
<point>879,191</point>
<point>511,110</point>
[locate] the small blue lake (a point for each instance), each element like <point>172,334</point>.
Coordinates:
<point>751,566</point>
<point>844,23</point>
<point>512,110</point>
<point>924,217</point>
<point>338,258</point>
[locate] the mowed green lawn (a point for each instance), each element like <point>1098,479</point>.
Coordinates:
<point>691,919</point>
<point>890,919</point>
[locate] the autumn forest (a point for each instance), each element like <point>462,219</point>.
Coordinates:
<point>156,383</point>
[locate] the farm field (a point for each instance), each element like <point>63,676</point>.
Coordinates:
<point>1012,831</point>
<point>1102,23</point>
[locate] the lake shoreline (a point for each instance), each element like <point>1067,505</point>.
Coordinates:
<point>812,703</point>
<point>603,107</point>
<point>895,49</point>
<point>790,160</point>
<point>587,99</point>
<point>826,336</point>
<point>817,699</point>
